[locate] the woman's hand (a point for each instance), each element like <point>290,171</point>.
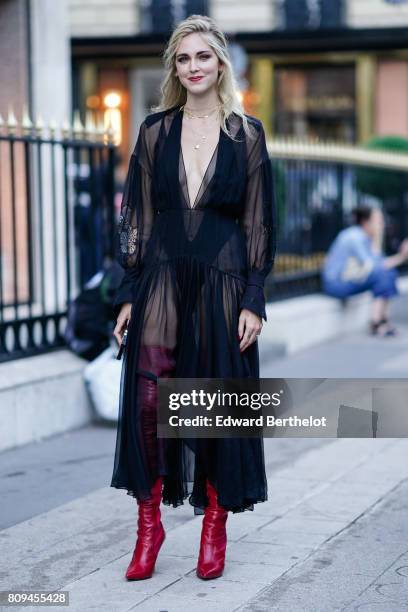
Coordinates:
<point>403,249</point>
<point>249,327</point>
<point>122,321</point>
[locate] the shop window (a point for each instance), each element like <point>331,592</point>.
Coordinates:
<point>315,102</point>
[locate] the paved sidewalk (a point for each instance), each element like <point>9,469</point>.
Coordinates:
<point>314,545</point>
<point>356,355</point>
<point>365,567</point>
<point>40,476</point>
<point>333,535</point>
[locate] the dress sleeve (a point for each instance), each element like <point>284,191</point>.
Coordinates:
<point>136,219</point>
<point>258,222</point>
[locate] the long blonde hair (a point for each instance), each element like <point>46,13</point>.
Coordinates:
<point>173,93</point>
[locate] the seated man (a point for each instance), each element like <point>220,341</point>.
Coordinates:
<point>355,263</point>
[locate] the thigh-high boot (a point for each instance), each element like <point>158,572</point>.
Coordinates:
<point>156,360</point>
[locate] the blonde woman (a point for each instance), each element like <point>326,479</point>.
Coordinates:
<point>196,239</point>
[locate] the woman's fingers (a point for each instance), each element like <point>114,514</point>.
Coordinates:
<point>248,339</point>
<point>118,332</point>
<point>241,326</point>
<point>120,328</point>
<point>122,322</point>
<point>251,326</point>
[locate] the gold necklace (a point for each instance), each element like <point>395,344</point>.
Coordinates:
<point>191,116</point>
<point>203,137</point>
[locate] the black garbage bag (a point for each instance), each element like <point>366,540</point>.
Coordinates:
<point>90,315</point>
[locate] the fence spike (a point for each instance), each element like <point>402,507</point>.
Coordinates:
<point>110,132</point>
<point>26,123</point>
<point>12,122</point>
<point>65,128</point>
<point>100,127</point>
<point>78,127</point>
<point>39,124</point>
<point>53,127</point>
<point>90,127</point>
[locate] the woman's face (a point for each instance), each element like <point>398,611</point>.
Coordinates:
<point>197,65</point>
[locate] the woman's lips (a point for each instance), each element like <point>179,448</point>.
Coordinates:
<point>194,79</point>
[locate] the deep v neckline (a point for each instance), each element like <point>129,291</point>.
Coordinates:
<point>181,114</point>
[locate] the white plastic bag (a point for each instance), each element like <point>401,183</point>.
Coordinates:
<point>102,379</point>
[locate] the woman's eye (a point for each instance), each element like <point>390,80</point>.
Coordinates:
<point>202,57</point>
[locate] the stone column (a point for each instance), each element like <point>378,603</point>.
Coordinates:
<point>14,55</point>
<point>35,62</point>
<point>50,59</point>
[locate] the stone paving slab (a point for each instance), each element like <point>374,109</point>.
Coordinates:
<point>84,546</point>
<point>365,568</point>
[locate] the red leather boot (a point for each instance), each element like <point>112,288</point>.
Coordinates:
<point>213,538</point>
<point>150,536</point>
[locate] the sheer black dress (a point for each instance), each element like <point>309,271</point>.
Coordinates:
<point>189,270</point>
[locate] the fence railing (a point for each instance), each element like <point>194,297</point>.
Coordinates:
<point>56,226</point>
<point>317,186</point>
<point>57,219</point>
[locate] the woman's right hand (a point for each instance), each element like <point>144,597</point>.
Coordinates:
<point>403,249</point>
<point>122,321</point>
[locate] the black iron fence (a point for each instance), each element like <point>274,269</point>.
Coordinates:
<point>56,227</point>
<point>317,186</point>
<point>58,221</point>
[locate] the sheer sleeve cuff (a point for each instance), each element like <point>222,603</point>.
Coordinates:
<point>254,300</point>
<point>124,292</point>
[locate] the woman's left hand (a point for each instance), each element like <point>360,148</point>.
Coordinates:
<point>249,328</point>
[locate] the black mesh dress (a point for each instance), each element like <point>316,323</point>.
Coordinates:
<point>189,270</point>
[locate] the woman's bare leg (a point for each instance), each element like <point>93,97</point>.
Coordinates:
<point>379,309</point>
<point>379,312</point>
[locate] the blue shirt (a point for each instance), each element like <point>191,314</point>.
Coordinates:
<point>350,242</point>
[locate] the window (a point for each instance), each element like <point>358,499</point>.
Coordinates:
<point>315,101</point>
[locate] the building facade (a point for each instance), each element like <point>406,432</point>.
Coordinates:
<point>330,69</point>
